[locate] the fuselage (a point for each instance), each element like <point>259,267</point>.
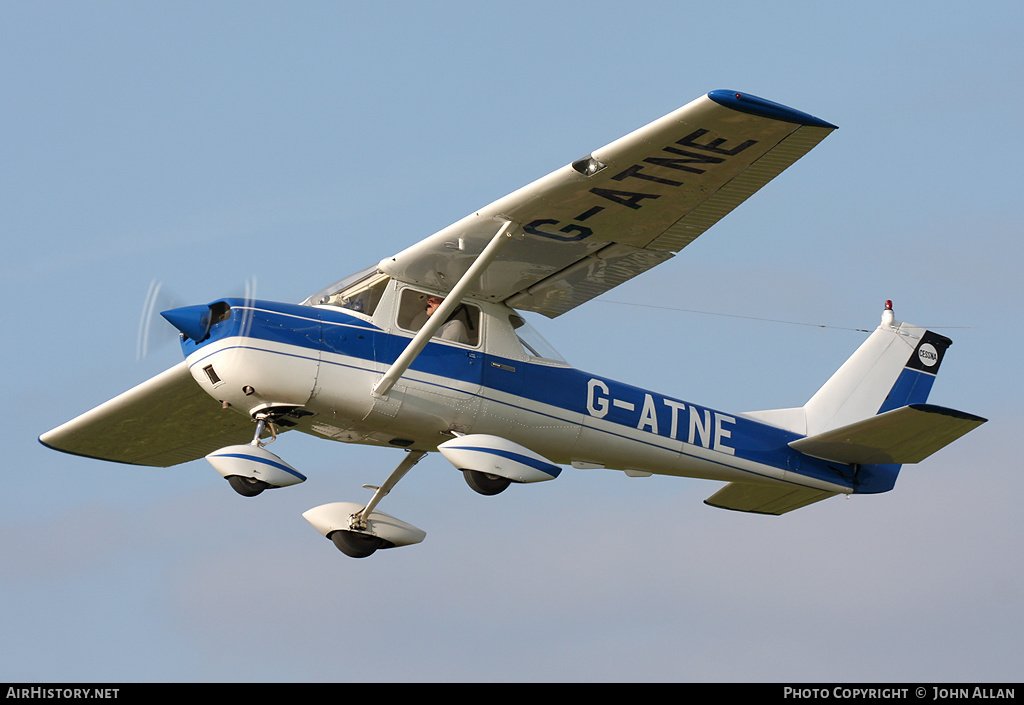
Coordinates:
<point>323,361</point>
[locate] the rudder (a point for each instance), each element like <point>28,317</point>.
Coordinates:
<point>894,367</point>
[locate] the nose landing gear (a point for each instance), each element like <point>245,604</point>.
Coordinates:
<point>251,468</point>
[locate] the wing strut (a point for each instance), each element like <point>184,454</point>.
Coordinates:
<point>453,299</point>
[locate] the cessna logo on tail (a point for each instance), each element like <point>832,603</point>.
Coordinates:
<point>930,350</point>
<point>928,355</point>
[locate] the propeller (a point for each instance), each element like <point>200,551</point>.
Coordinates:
<point>150,335</point>
<point>193,321</point>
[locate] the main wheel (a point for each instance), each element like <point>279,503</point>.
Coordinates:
<point>485,483</point>
<point>247,486</point>
<point>356,545</point>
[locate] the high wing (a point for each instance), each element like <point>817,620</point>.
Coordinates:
<point>621,210</point>
<point>166,420</point>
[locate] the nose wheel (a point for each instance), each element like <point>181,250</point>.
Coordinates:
<point>252,486</point>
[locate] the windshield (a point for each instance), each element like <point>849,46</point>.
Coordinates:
<point>358,292</point>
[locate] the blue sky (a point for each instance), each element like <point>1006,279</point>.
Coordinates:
<point>206,144</point>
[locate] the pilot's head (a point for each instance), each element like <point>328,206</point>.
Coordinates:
<point>432,303</point>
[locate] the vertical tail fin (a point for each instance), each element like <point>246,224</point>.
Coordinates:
<point>894,367</point>
<point>872,414</point>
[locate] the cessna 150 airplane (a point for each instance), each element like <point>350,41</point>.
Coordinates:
<point>426,351</point>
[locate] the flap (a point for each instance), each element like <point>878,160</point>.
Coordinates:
<point>765,499</point>
<point>164,421</point>
<point>905,435</point>
<point>621,210</point>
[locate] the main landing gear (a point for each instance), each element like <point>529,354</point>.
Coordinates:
<point>486,483</point>
<point>488,463</point>
<point>246,486</point>
<point>358,531</point>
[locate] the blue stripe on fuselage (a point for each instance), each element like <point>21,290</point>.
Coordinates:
<point>665,419</point>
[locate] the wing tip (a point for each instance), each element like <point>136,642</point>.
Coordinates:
<point>53,446</point>
<point>747,103</point>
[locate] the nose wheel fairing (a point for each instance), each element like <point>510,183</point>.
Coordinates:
<point>255,464</point>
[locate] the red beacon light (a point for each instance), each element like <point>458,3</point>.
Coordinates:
<point>888,317</point>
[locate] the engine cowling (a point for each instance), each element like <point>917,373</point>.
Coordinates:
<point>494,455</point>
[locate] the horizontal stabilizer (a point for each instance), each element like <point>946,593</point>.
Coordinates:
<point>905,435</point>
<point>765,499</point>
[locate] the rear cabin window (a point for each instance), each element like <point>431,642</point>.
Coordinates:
<point>532,341</point>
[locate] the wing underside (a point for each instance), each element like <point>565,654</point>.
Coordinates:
<point>622,209</point>
<point>164,421</point>
<point>765,499</point>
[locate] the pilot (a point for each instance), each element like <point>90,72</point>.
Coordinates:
<point>453,330</point>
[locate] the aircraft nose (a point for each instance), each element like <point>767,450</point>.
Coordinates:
<point>192,321</point>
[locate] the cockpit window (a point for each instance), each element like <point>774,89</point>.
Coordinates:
<point>532,341</point>
<point>360,292</point>
<point>462,326</point>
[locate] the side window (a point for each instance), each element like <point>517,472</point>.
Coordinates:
<point>462,326</point>
<point>532,342</point>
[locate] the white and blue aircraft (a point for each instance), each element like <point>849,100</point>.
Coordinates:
<point>427,351</point>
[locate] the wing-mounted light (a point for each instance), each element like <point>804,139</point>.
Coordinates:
<point>588,166</point>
